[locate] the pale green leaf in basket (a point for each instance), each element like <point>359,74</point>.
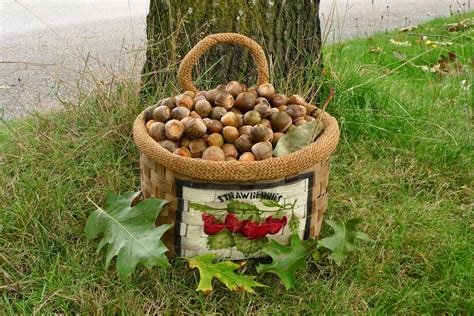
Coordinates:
<point>298,138</point>
<point>129,231</point>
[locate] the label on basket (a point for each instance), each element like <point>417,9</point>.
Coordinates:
<point>235,221</point>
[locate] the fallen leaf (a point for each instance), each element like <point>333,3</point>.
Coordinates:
<point>406,43</point>
<point>376,50</point>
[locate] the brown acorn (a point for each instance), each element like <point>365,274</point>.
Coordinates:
<point>260,133</point>
<point>266,123</point>
<point>195,114</point>
<point>201,93</point>
<point>230,119</point>
<point>296,111</point>
<point>245,130</point>
<point>174,130</point>
<point>184,100</point>
<point>236,111</point>
<point>272,111</point>
<point>234,88</point>
<point>276,137</point>
<point>279,99</point>
<point>190,93</point>
<point>198,98</point>
<point>161,113</point>
<point>218,112</point>
<point>215,139</point>
<point>316,113</point>
<point>263,108</point>
<point>253,90</point>
<point>296,99</point>
<point>184,142</point>
<point>148,113</point>
<point>282,108</point>
<point>224,99</point>
<point>252,118</point>
<point>195,128</point>
<point>211,95</point>
<point>247,156</point>
<point>310,108</point>
<point>243,143</point>
<point>168,145</point>
<point>205,137</point>
<point>203,107</point>
<point>149,124</point>
<point>197,147</point>
<point>213,126</point>
<point>186,120</point>
<point>245,101</point>
<point>230,150</point>
<point>300,121</point>
<point>262,150</point>
<point>281,121</point>
<point>230,158</point>
<point>309,118</point>
<point>221,87</point>
<point>266,90</point>
<point>157,131</point>
<point>179,113</point>
<point>230,134</point>
<point>214,153</point>
<point>183,152</point>
<point>169,102</point>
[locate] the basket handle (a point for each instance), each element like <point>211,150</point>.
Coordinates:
<point>192,57</point>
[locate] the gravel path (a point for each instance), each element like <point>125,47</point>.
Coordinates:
<point>50,50</point>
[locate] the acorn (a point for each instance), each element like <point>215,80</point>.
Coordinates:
<point>197,99</point>
<point>183,152</point>
<point>266,123</point>
<point>179,113</point>
<point>245,101</point>
<point>230,150</point>
<point>148,113</point>
<point>296,111</point>
<point>262,150</point>
<point>247,156</point>
<point>252,118</point>
<point>197,147</point>
<point>162,113</point>
<point>221,87</point>
<point>276,137</point>
<point>279,99</point>
<point>260,133</point>
<point>310,108</point>
<point>230,158</point>
<point>214,153</point>
<point>215,139</point>
<point>316,113</point>
<point>149,124</point>
<point>253,90</point>
<point>272,111</point>
<point>282,108</point>
<point>174,130</point>
<point>266,90</point>
<point>234,88</point>
<point>169,102</point>
<point>190,93</point>
<point>296,99</point>
<point>309,118</point>
<point>205,137</point>
<point>236,111</point>
<point>168,145</point>
<point>224,99</point>
<point>281,121</point>
<point>184,142</point>
<point>245,130</point>
<point>263,108</point>
<point>213,126</point>
<point>195,128</point>
<point>201,93</point>
<point>203,107</point>
<point>157,131</point>
<point>218,112</point>
<point>300,121</point>
<point>186,120</point>
<point>211,95</point>
<point>184,100</point>
<point>243,143</point>
<point>230,119</point>
<point>230,134</point>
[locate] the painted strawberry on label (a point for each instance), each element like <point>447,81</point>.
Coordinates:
<point>211,226</point>
<point>274,225</point>
<point>254,230</point>
<point>234,224</point>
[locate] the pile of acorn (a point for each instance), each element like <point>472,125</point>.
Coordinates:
<point>227,123</point>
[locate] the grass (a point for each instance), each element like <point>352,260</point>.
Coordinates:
<point>404,165</point>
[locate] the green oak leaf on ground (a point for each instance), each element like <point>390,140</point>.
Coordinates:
<point>224,271</point>
<point>343,240</point>
<point>287,259</point>
<point>129,231</point>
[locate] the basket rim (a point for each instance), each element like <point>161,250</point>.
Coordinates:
<point>238,171</point>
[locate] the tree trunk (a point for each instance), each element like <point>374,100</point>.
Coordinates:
<point>288,31</point>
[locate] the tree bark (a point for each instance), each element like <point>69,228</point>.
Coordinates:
<point>288,30</point>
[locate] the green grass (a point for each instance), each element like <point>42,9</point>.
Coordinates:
<point>404,164</point>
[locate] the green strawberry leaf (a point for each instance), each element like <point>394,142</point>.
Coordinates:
<point>130,232</point>
<point>249,246</point>
<point>298,137</point>
<point>343,240</point>
<point>287,259</point>
<point>271,203</point>
<point>224,271</point>
<point>221,240</point>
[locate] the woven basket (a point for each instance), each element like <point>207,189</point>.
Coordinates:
<point>300,178</point>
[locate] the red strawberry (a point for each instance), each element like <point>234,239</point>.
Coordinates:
<point>211,226</point>
<point>275,224</point>
<point>254,230</point>
<point>233,223</point>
